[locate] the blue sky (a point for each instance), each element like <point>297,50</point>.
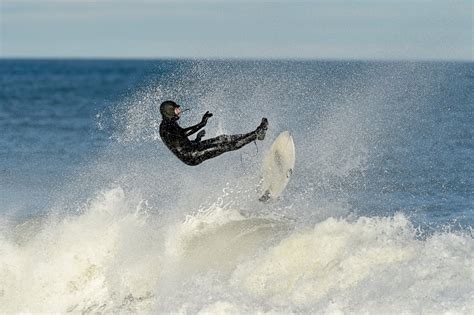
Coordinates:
<point>385,29</point>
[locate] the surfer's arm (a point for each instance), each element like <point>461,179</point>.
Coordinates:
<point>193,129</point>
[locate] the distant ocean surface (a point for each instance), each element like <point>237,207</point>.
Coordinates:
<point>96,215</point>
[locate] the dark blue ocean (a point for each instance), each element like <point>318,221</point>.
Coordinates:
<point>96,215</point>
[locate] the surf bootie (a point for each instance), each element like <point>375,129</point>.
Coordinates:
<point>262,129</point>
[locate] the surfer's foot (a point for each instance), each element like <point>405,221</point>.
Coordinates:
<point>262,129</point>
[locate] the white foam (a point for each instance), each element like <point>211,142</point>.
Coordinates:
<point>86,262</point>
<point>371,265</point>
<point>115,258</point>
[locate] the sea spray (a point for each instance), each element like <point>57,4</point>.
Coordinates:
<point>383,158</point>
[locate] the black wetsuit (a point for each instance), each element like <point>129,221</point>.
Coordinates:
<point>196,151</point>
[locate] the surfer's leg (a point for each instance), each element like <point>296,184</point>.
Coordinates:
<point>225,143</point>
<point>235,140</point>
<point>224,140</point>
<point>208,149</point>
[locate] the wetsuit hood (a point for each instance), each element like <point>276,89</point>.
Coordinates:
<point>167,110</point>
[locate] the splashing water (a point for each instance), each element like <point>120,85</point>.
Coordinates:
<point>364,226</point>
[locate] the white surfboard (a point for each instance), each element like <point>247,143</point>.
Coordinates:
<point>278,165</point>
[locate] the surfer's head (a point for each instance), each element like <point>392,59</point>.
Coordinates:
<point>170,110</point>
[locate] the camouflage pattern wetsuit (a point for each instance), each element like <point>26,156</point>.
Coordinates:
<point>194,152</point>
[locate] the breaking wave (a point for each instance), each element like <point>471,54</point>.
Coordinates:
<point>117,257</point>
<point>136,231</point>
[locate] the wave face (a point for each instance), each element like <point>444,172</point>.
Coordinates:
<point>377,217</point>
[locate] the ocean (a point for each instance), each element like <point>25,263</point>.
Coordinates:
<point>96,215</point>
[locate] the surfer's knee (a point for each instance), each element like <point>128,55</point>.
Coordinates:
<point>192,162</point>
<point>190,158</point>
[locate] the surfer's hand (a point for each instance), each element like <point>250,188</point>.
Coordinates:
<point>200,134</point>
<point>206,116</point>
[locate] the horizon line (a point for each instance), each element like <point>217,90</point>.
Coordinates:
<point>167,58</point>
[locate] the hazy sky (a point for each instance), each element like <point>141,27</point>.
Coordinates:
<point>382,29</point>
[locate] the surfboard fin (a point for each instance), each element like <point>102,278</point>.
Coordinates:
<point>265,197</point>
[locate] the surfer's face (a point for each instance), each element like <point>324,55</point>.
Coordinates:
<point>177,111</point>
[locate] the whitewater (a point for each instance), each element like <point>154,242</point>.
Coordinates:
<point>370,222</point>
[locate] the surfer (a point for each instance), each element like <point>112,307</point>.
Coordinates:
<point>194,152</point>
